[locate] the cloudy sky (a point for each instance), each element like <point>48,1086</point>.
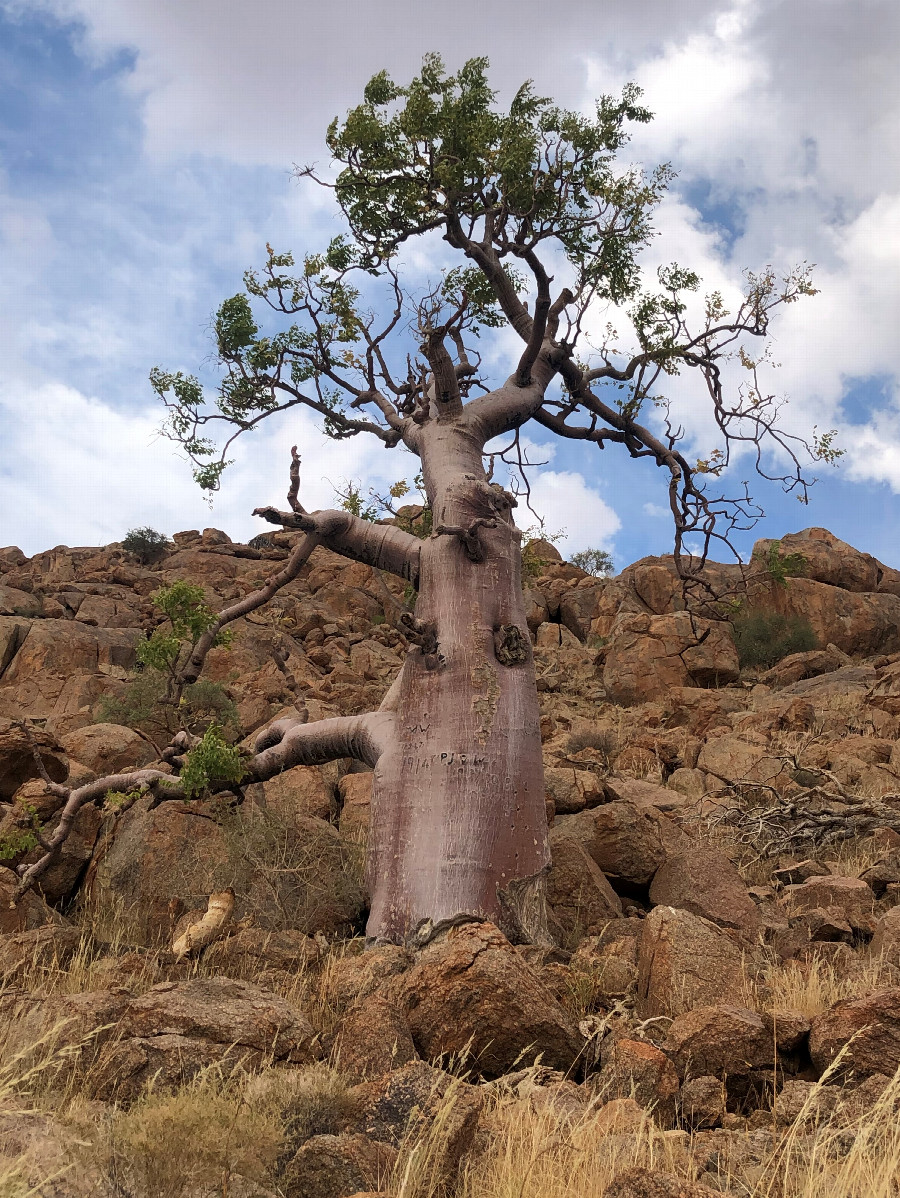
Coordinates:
<point>146,149</point>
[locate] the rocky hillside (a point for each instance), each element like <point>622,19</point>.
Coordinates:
<point>720,1011</point>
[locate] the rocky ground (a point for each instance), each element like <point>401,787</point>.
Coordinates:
<point>720,1012</point>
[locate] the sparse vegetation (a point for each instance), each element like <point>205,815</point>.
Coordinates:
<point>597,562</point>
<point>147,545</point>
<point>765,637</point>
<point>211,760</point>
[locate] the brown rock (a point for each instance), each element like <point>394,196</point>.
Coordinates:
<point>156,855</point>
<point>638,1070</point>
<point>625,842</point>
<point>685,961</point>
<point>581,898</point>
<point>251,951</point>
<point>797,666</point>
<point>851,896</point>
<point>794,875</point>
<point>124,1068</point>
<point>61,879</point>
<point>883,873</point>
<point>737,758</point>
<point>721,1040</point>
<point>48,948</point>
<point>226,1012</point>
<point>30,911</point>
<point>353,977</point>
<point>335,1166</point>
<point>886,941</point>
<point>298,791</point>
<point>108,748</point>
<point>869,1028</point>
<point>826,559</point>
<point>406,1102</point>
<point>17,764</point>
<point>642,1183</point>
<point>858,624</point>
<point>471,992</point>
<point>649,655</point>
<point>77,1023</point>
<point>66,647</point>
<point>374,1038</point>
<point>702,1102</point>
<point>562,787</point>
<point>705,882</point>
<point>356,800</point>
<point>789,1029</point>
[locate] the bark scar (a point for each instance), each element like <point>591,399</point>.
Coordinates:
<point>511,646</point>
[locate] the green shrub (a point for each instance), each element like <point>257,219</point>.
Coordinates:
<point>212,760</point>
<point>146,544</point>
<point>144,706</point>
<point>593,561</point>
<point>764,637</point>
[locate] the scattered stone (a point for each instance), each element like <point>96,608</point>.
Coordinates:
<point>374,1038</point>
<point>683,962</point>
<point>869,1029</point>
<point>720,1040</point>
<point>705,882</point>
<point>471,994</point>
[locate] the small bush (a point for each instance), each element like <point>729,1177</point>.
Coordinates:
<point>144,707</point>
<point>212,760</point>
<point>764,637</point>
<point>146,544</point>
<point>593,561</point>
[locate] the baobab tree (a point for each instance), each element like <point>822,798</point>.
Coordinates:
<point>544,228</point>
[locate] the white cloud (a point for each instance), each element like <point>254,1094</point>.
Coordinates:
<point>93,472</point>
<point>569,506</point>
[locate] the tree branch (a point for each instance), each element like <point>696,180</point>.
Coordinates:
<point>381,546</point>
<point>362,737</point>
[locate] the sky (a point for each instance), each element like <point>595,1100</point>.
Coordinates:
<point>146,158</point>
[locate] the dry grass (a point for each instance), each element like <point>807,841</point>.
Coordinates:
<point>813,986</point>
<point>168,1145</point>
<point>536,1155</point>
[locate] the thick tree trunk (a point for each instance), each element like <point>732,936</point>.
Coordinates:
<point>458,824</point>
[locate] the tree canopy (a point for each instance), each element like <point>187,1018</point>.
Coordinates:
<point>520,197</point>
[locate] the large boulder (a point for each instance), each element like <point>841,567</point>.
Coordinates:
<point>683,962</point>
<point>858,624</point>
<point>581,899</point>
<point>108,748</point>
<point>649,655</point>
<point>866,1030</point>
<point>722,1040</point>
<point>17,763</point>
<point>154,860</point>
<point>299,791</point>
<point>471,993</point>
<point>626,842</point>
<point>374,1038</point>
<point>67,647</point>
<point>176,1029</point>
<point>826,559</point>
<point>29,913</point>
<point>704,881</point>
